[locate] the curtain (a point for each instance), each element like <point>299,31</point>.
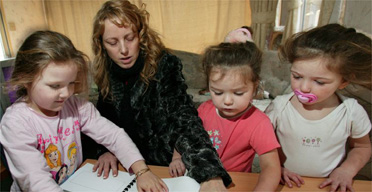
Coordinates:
<point>293,18</point>
<point>326,10</point>
<point>187,25</point>
<point>73,18</point>
<point>263,20</point>
<point>341,15</point>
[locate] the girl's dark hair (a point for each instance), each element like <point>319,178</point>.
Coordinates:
<point>246,56</point>
<point>37,51</point>
<point>348,52</point>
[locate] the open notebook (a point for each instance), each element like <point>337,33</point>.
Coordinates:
<point>85,180</point>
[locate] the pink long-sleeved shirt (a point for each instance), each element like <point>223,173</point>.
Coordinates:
<point>44,151</point>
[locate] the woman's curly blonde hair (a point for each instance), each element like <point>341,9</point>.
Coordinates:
<point>123,13</point>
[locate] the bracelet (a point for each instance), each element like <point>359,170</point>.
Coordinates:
<point>142,171</point>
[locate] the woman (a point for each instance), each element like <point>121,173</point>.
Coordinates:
<point>142,89</point>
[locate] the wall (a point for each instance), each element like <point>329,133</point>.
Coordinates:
<point>357,15</point>
<point>183,25</point>
<point>22,18</point>
<point>25,16</point>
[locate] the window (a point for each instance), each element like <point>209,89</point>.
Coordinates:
<point>310,14</point>
<point>4,46</point>
<point>2,52</point>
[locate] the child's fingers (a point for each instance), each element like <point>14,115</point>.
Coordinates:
<point>297,181</point>
<point>179,170</point>
<point>342,188</point>
<point>170,170</point>
<point>335,186</point>
<point>106,170</point>
<point>301,180</point>
<point>95,166</point>
<point>174,172</point>
<point>114,167</point>
<point>183,168</point>
<point>325,183</point>
<point>99,170</point>
<point>288,181</point>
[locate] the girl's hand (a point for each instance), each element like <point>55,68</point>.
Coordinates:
<point>288,177</point>
<point>177,168</point>
<point>150,182</point>
<point>339,179</point>
<point>215,184</point>
<point>104,163</point>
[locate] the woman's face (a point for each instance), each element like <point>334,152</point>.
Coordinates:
<point>121,44</point>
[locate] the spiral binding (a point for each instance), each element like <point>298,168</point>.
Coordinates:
<point>130,185</point>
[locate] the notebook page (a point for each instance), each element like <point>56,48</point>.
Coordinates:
<point>85,180</point>
<point>184,183</point>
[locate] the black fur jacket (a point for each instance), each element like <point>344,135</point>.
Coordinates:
<point>164,118</point>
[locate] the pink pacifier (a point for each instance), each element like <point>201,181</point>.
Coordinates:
<point>305,97</point>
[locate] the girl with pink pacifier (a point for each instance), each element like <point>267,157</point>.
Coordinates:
<point>315,124</point>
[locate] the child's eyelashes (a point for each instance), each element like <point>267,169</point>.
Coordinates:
<point>54,86</point>
<point>58,86</point>
<point>235,93</point>
<point>239,94</point>
<point>319,82</point>
<point>217,93</point>
<point>296,76</point>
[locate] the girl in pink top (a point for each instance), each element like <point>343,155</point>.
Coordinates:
<point>37,131</point>
<point>236,128</point>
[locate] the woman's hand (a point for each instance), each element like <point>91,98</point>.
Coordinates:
<point>150,182</point>
<point>104,163</point>
<point>288,177</point>
<point>177,168</point>
<point>215,184</point>
<point>146,180</point>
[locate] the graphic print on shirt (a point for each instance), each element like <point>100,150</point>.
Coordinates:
<point>61,151</point>
<point>72,155</point>
<point>61,175</point>
<point>214,136</point>
<point>311,141</point>
<point>53,158</point>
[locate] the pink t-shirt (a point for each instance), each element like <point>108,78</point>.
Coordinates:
<point>237,140</point>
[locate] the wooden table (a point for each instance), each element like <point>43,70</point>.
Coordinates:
<point>247,181</point>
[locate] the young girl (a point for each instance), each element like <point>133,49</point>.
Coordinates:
<point>314,123</point>
<point>47,116</point>
<point>236,128</point>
